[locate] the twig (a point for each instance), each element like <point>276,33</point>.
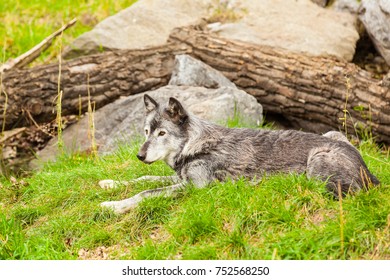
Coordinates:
<point>91,121</point>
<point>341,219</point>
<point>60,142</point>
<point>33,53</point>
<point>37,125</point>
<point>8,134</point>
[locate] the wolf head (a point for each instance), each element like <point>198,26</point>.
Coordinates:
<point>165,130</point>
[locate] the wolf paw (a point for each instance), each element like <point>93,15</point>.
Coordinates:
<point>113,205</point>
<point>119,207</point>
<point>108,184</point>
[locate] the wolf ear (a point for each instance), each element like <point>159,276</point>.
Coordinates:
<point>150,103</point>
<point>176,111</point>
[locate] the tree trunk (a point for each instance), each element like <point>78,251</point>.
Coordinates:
<point>32,93</point>
<point>317,92</point>
<point>305,89</point>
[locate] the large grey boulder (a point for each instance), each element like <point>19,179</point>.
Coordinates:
<point>375,15</point>
<point>296,25</point>
<point>145,23</point>
<point>122,120</point>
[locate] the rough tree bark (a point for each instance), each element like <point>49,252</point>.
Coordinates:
<point>317,90</point>
<point>32,93</point>
<point>306,89</point>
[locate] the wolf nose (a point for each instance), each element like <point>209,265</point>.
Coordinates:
<point>141,157</point>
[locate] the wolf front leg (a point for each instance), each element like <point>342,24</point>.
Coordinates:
<point>123,206</point>
<point>112,184</point>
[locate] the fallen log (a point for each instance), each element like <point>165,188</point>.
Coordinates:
<point>318,93</point>
<point>31,93</point>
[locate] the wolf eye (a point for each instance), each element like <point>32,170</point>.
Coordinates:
<point>161,133</point>
<point>146,131</point>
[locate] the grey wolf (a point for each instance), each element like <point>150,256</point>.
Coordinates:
<point>202,152</point>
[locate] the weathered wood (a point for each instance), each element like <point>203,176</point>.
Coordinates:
<point>10,133</point>
<point>317,90</point>
<point>111,75</point>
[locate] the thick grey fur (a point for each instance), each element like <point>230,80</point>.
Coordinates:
<point>201,152</point>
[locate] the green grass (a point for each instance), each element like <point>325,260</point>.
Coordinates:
<point>55,214</point>
<point>25,23</point>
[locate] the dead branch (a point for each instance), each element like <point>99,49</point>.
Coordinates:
<point>33,53</point>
